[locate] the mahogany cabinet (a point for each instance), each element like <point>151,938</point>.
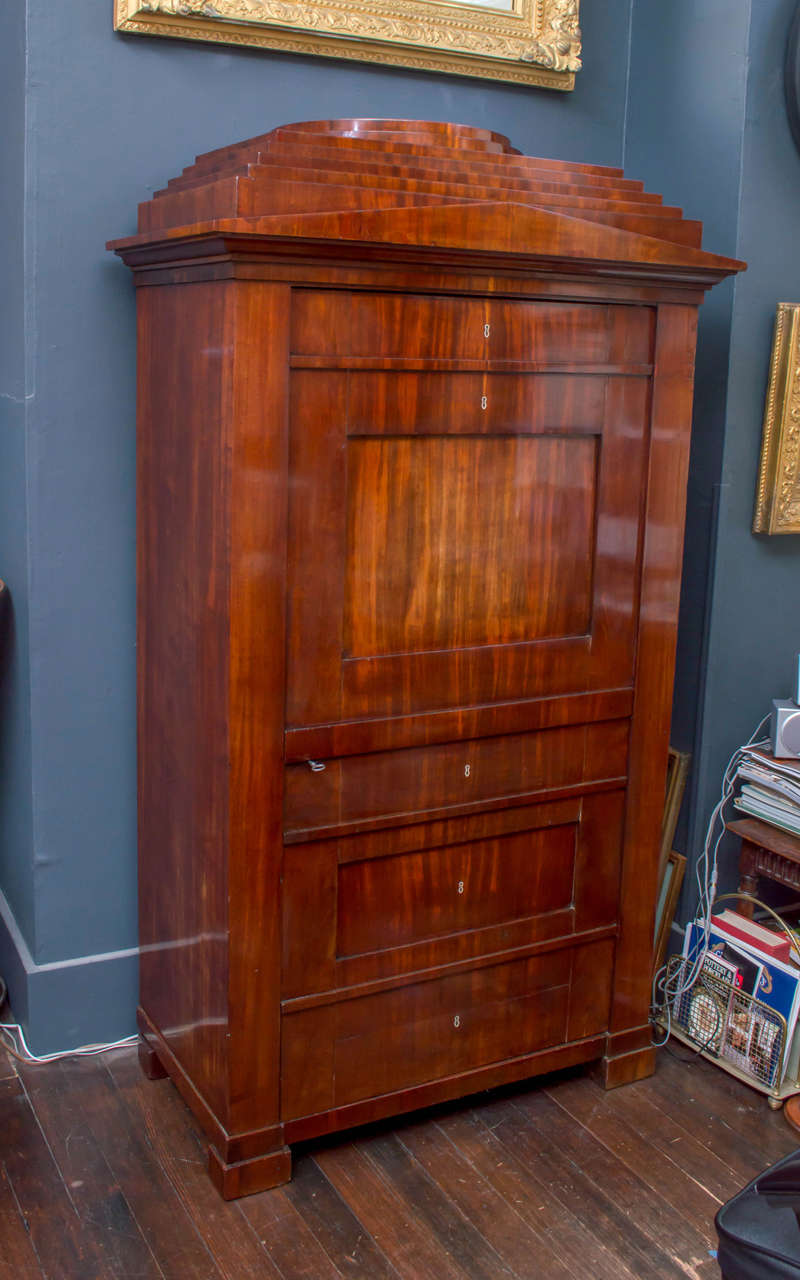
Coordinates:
<point>413,428</point>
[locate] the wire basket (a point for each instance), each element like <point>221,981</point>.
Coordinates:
<point>726,1023</point>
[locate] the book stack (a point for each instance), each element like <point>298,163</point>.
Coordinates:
<point>770,789</point>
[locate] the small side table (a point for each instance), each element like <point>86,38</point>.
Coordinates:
<point>767,853</point>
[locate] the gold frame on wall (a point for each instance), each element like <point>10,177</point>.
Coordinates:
<point>778,490</point>
<point>533,42</point>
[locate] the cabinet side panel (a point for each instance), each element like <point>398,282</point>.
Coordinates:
<point>258,534</point>
<point>182,662</point>
<point>671,418</point>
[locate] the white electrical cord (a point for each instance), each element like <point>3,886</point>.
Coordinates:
<point>706,872</point>
<point>18,1048</point>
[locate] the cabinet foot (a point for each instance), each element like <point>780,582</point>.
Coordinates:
<point>247,1177</point>
<point>625,1068</point>
<point>149,1061</point>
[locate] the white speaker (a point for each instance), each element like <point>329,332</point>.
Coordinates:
<point>785,729</point>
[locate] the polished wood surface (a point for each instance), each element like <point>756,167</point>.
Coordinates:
<point>450,507</point>
<point>104,1179</point>
<point>385,902</point>
<point>413,419</point>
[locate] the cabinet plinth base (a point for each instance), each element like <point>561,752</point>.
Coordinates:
<point>247,1177</point>
<point>149,1061</point>
<point>625,1068</point>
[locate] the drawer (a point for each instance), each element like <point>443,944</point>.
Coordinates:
<point>379,1044</point>
<point>388,902</point>
<point>458,776</point>
<point>392,403</point>
<point>571,334</point>
<point>326,322</point>
<point>404,899</point>
<point>422,326</point>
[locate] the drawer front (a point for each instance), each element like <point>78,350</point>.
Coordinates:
<point>422,326</point>
<point>326,322</point>
<point>421,404</point>
<point>375,1045</point>
<point>570,334</point>
<point>389,785</point>
<point>391,901</point>
<point>405,899</point>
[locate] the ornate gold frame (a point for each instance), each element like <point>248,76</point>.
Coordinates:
<point>534,42</point>
<point>778,491</point>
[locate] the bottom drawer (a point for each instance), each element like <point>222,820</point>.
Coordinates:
<point>378,1044</point>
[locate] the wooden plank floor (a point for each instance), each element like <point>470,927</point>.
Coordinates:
<point>102,1174</point>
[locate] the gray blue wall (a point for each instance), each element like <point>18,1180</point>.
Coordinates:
<point>753,624</point>
<point>16,799</point>
<point>707,113</point>
<point>93,123</point>
<point>109,119</point>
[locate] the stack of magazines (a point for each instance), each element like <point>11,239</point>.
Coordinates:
<point>770,789</point>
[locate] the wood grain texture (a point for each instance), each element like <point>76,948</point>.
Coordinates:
<point>236,1252</point>
<point>63,1102</point>
<point>182,653</point>
<point>449,509</point>
<point>408,784</point>
<point>550,1182</point>
<point>439,569</point>
<point>662,556</point>
<point>396,900</point>
<point>413,424</point>
<point>259,462</point>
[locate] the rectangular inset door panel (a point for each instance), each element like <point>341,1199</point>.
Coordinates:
<point>455,542</point>
<point>392,901</point>
<point>438,568</point>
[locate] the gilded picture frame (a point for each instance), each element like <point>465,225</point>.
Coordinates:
<point>530,42</point>
<point>777,508</point>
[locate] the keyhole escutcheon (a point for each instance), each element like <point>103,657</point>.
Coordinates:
<point>457,1020</point>
<point>484,402</point>
<point>467,770</point>
<point>461,886</point>
<point>487,329</point>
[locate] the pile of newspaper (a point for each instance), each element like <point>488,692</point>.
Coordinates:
<point>770,789</point>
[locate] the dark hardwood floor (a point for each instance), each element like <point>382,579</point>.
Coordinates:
<point>102,1175</point>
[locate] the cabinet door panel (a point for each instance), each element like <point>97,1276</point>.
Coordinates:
<point>456,551</point>
<point>481,535</point>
